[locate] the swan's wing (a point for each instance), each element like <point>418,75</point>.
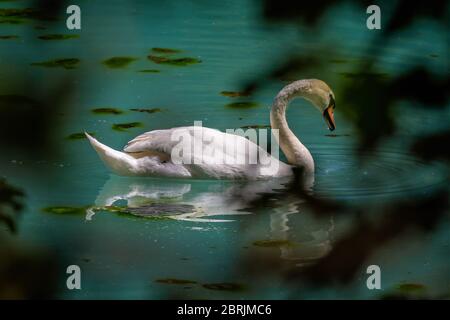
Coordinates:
<point>156,140</point>
<point>210,145</point>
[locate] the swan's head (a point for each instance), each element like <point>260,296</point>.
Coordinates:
<point>321,96</point>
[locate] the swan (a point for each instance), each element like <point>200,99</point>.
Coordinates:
<point>152,153</point>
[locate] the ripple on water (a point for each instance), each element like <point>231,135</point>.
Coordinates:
<point>340,173</point>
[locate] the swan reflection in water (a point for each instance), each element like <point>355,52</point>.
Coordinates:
<point>299,237</point>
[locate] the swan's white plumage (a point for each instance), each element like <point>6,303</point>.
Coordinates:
<point>210,154</point>
<point>214,161</point>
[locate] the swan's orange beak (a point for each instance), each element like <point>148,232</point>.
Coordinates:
<point>328,115</point>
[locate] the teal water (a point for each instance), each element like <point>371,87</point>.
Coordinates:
<point>125,256</point>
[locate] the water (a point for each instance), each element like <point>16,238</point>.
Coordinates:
<point>207,226</point>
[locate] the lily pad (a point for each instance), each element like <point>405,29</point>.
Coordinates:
<point>242,105</point>
<point>69,63</point>
<point>22,14</point>
<point>181,62</point>
<point>18,13</point>
<point>235,94</point>
<point>175,281</point>
<point>107,110</point>
<point>165,50</point>
<point>224,286</point>
<point>11,21</point>
<point>126,126</point>
<point>58,36</point>
<point>411,287</point>
<point>152,110</point>
<point>118,62</point>
<point>272,243</point>
<point>79,136</point>
<point>65,210</point>
<point>8,37</point>
<point>149,71</point>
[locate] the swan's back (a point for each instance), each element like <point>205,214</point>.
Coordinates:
<point>207,152</point>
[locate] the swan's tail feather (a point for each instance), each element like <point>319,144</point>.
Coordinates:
<point>119,162</point>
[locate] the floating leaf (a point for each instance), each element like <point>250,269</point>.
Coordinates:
<point>118,62</point>
<point>242,105</point>
<point>165,50</point>
<point>13,14</point>
<point>78,136</point>
<point>224,286</point>
<point>235,94</point>
<point>58,36</point>
<point>174,62</point>
<point>69,63</point>
<point>65,210</point>
<point>411,287</point>
<point>8,37</point>
<point>149,71</point>
<point>153,110</point>
<point>125,126</point>
<point>12,21</point>
<point>107,110</point>
<point>175,281</point>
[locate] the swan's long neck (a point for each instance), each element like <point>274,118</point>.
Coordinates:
<point>296,153</point>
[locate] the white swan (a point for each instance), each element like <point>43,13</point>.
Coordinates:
<point>151,154</point>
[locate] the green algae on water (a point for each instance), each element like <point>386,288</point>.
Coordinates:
<point>9,37</point>
<point>175,281</point>
<point>149,71</point>
<point>152,110</point>
<point>118,62</point>
<point>411,287</point>
<point>126,126</point>
<point>69,63</point>
<point>11,21</point>
<point>65,210</point>
<point>233,287</point>
<point>79,136</point>
<point>181,62</point>
<point>107,110</point>
<point>58,36</point>
<point>20,15</point>
<point>166,50</point>
<point>235,94</point>
<point>242,105</point>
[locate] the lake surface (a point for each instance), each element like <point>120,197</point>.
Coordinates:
<point>203,229</point>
